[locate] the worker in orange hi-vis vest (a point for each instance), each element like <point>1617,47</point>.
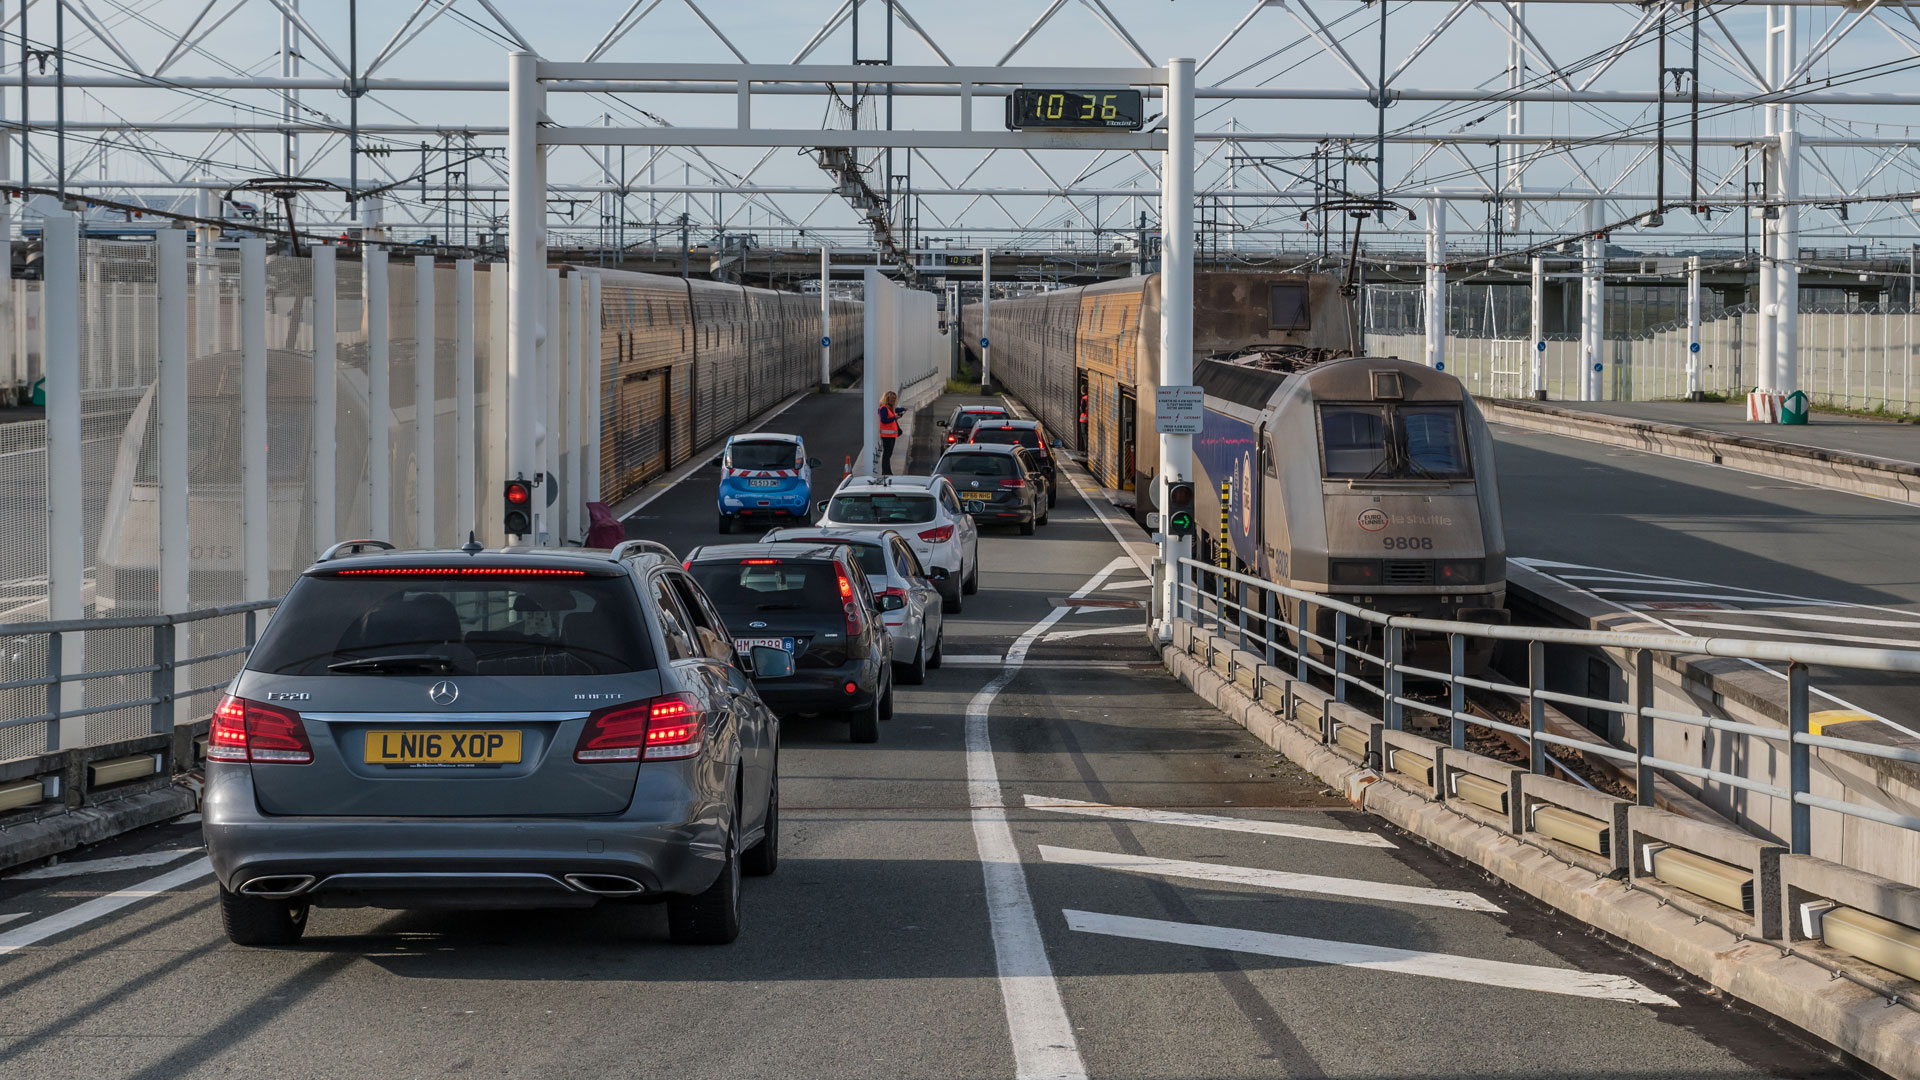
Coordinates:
<point>889,430</point>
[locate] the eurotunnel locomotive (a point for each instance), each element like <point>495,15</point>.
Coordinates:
<point>1369,480</point>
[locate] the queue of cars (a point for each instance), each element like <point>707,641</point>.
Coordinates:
<point>539,728</point>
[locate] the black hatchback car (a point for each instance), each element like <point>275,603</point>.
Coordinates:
<point>1031,434</point>
<point>812,601</point>
<point>997,484</point>
<point>961,423</point>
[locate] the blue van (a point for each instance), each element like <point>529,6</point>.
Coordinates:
<point>765,474</point>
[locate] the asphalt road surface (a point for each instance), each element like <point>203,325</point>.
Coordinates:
<point>1056,862</point>
<point>1708,551</point>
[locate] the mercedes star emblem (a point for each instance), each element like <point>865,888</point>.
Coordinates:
<point>443,692</point>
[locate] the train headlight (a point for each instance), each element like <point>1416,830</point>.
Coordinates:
<point>1460,572</point>
<point>1353,572</point>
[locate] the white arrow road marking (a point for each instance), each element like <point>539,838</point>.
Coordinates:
<point>1042,1036</point>
<point>1272,879</point>
<point>1207,821</point>
<point>105,866</point>
<point>1546,980</point>
<point>35,932</point>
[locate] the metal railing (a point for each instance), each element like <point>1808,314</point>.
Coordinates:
<point>155,687</point>
<point>1254,614</point>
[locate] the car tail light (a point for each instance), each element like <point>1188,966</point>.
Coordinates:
<point>938,536</point>
<point>665,728</point>
<point>850,604</point>
<point>245,730</point>
<point>1016,482</point>
<point>759,562</point>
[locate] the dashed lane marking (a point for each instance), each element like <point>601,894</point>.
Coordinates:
<point>74,917</point>
<point>1271,879</point>
<point>1043,1042</point>
<point>1547,980</point>
<point>105,866</point>
<point>1207,821</point>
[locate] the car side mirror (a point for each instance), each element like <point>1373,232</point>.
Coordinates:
<point>813,463</point>
<point>942,423</point>
<point>890,601</point>
<point>938,573</point>
<point>820,507</point>
<point>771,663</point>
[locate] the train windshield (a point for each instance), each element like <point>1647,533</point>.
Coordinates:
<point>1393,442</point>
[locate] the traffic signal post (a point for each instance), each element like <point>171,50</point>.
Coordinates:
<point>1176,337</point>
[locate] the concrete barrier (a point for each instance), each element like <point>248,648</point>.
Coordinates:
<point>1860,474</point>
<point>1796,983</point>
<point>1649,828</point>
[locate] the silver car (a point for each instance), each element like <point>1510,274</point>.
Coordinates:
<point>494,729</point>
<point>909,595</point>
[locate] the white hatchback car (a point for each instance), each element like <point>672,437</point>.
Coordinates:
<point>923,509</point>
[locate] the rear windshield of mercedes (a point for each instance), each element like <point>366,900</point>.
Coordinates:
<point>422,621</point>
<point>763,455</point>
<point>1393,442</point>
<point>881,508</point>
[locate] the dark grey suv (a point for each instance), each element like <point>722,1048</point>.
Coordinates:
<point>495,729</point>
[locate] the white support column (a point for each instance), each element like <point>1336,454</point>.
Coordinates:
<point>1176,312</point>
<point>571,505</point>
<point>527,260</point>
<point>1537,384</point>
<point>425,461</point>
<point>1786,270</point>
<point>986,320</point>
<point>373,277</point>
<point>826,321</point>
<point>1593,323</point>
<point>66,530</point>
<point>590,452</point>
<point>553,367</point>
<point>1693,329</point>
<point>13,361</point>
<point>170,443</point>
<point>1436,297</point>
<point>326,414</point>
<point>877,288</point>
<point>493,468</point>
<point>255,520</point>
<point>465,477</point>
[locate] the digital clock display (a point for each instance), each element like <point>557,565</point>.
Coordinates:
<point>1100,110</point>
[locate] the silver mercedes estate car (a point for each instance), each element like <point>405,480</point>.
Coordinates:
<point>499,729</point>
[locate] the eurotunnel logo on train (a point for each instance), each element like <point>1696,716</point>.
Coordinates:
<point>1373,519</point>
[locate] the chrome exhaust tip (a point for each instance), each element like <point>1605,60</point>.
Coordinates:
<point>605,884</point>
<point>277,886</point>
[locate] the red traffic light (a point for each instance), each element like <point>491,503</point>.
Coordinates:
<point>518,493</point>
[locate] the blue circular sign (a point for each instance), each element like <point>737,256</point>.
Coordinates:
<point>825,341</point>
<point>983,343</point>
<point>1540,346</point>
<point>1596,366</point>
<point>1693,346</point>
<point>1442,366</point>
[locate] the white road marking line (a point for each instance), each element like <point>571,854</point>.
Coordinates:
<point>973,659</point>
<point>1709,596</point>
<point>5,919</point>
<point>1754,594</point>
<point>1272,879</point>
<point>1042,1037</point>
<point>1467,969</point>
<point>107,865</point>
<point>1092,631</point>
<point>1207,821</point>
<point>1797,634</point>
<point>35,932</point>
<point>1127,585</point>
